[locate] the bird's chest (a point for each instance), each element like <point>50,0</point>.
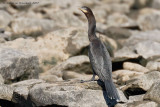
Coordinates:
<point>95,49</point>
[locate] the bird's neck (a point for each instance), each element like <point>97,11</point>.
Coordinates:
<point>92,28</point>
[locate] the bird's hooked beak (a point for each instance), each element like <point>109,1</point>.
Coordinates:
<point>83,10</point>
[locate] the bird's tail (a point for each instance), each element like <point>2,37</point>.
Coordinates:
<point>111,91</point>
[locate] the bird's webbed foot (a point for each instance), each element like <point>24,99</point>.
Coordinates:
<point>92,79</point>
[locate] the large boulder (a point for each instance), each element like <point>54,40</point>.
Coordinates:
<point>16,65</point>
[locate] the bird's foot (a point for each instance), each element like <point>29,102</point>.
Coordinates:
<point>82,81</point>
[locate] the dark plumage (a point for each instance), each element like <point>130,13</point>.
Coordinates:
<point>99,57</point>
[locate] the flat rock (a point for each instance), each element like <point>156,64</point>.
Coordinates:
<point>32,27</point>
<point>136,98</point>
<point>143,82</point>
<point>153,93</point>
<point>79,64</point>
<point>148,49</point>
<point>134,67</point>
<point>16,64</point>
<point>142,104</point>
<point>76,94</point>
<point>143,36</point>
<point>120,20</point>
<point>149,21</point>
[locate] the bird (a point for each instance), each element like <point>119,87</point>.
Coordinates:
<point>99,57</point>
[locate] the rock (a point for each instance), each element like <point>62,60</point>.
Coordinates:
<point>66,18</point>
<point>33,27</point>
<point>79,64</point>
<point>117,33</point>
<point>143,36</point>
<point>16,65</point>
<point>155,4</point>
<point>143,104</point>
<point>140,3</point>
<point>134,67</point>
<point>120,73</point>
<point>153,92</point>
<point>149,21</point>
<point>148,49</point>
<point>76,94</point>
<point>124,54</point>
<point>136,98</point>
<point>120,20</point>
<point>21,90</point>
<point>5,19</point>
<point>6,92</point>
<point>49,78</point>
<point>122,76</point>
<point>153,66</point>
<point>74,75</point>
<point>1,80</point>
<point>77,41</point>
<point>142,83</point>
<point>53,47</point>
<point>122,96</point>
<point>119,8</point>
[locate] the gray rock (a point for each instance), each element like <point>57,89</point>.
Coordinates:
<point>124,54</point>
<point>143,104</point>
<point>5,19</point>
<point>21,90</point>
<point>148,49</point>
<point>49,78</point>
<point>136,98</point>
<point>117,33</point>
<point>149,21</point>
<point>155,4</point>
<point>153,93</point>
<point>77,41</point>
<point>75,94</point>
<point>120,20</point>
<point>1,80</point>
<point>67,75</point>
<point>79,64</point>
<point>143,36</point>
<point>32,27</point>
<point>15,64</point>
<point>143,82</point>
<point>153,65</point>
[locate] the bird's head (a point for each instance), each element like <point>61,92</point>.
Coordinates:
<point>86,10</point>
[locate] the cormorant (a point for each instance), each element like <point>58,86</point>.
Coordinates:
<point>100,58</point>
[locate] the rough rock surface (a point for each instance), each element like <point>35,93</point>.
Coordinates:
<point>153,93</point>
<point>15,64</point>
<point>143,82</point>
<point>79,64</point>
